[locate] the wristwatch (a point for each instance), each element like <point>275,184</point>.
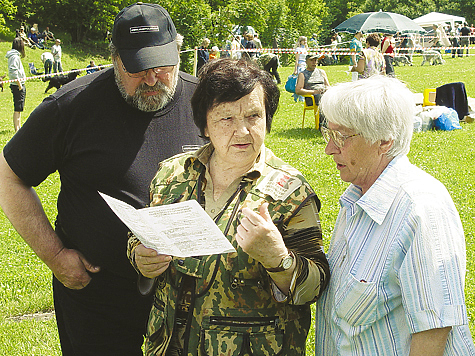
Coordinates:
<point>284,264</point>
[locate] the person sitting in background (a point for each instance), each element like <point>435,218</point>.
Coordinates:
<point>33,37</point>
<point>22,34</point>
<point>397,255</point>
<point>259,296</point>
<point>371,61</point>
<point>312,81</point>
<point>92,67</point>
<point>48,35</point>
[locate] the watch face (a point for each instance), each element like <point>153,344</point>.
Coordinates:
<point>287,262</point>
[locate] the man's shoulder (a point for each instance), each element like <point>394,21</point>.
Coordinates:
<point>188,78</point>
<point>91,85</point>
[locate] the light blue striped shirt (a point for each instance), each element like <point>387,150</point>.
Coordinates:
<point>397,262</point>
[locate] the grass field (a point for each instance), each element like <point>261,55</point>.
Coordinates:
<point>449,156</point>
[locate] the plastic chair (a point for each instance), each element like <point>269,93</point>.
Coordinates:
<point>429,97</point>
<point>307,100</point>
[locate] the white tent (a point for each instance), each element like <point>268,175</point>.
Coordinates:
<point>437,18</point>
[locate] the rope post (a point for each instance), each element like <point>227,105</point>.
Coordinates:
<point>195,60</point>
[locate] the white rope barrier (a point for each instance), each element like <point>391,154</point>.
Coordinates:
<point>102,66</point>
<point>320,50</point>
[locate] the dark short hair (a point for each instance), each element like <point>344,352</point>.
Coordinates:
<point>373,39</point>
<point>228,80</point>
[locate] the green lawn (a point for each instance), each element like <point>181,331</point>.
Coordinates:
<point>449,156</point>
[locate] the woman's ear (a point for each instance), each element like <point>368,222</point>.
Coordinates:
<point>385,146</point>
<point>206,132</point>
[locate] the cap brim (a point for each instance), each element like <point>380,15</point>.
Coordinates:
<point>137,60</point>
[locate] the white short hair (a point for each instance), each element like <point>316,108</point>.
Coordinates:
<point>378,108</point>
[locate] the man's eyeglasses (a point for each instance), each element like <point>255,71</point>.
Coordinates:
<point>157,70</point>
<point>337,137</point>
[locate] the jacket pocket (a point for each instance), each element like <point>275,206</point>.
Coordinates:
<point>357,302</point>
<point>158,334</point>
<point>236,336</point>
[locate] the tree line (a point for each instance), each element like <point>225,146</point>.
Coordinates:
<point>279,22</point>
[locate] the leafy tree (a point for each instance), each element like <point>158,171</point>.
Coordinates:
<point>80,18</point>
<point>7,10</point>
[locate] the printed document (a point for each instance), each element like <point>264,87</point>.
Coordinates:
<point>181,229</point>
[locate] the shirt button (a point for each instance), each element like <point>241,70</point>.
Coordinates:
<point>212,210</point>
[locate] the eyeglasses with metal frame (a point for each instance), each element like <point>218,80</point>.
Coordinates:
<point>142,74</point>
<point>338,138</point>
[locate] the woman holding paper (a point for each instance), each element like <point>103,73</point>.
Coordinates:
<point>255,300</point>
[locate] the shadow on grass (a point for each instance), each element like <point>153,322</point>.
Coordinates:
<point>299,133</point>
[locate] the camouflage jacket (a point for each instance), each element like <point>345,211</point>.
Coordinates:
<point>230,308</point>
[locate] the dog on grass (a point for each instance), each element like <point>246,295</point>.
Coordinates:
<point>400,60</point>
<point>1,80</point>
<point>432,57</point>
<point>56,81</point>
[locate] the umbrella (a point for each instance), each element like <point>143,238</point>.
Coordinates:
<point>381,22</point>
<point>239,30</point>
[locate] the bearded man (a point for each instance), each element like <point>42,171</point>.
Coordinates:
<point>106,132</point>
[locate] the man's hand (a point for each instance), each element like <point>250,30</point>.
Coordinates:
<point>71,268</point>
<point>149,262</point>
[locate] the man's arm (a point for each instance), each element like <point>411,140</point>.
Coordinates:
<point>430,342</point>
<point>21,205</point>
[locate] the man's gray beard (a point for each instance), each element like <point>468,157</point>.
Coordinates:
<point>148,103</point>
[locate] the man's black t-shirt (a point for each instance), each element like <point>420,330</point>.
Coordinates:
<point>97,142</point>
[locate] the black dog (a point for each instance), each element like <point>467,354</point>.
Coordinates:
<point>56,81</point>
<point>1,79</point>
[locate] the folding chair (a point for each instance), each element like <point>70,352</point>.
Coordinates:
<point>33,70</point>
<point>309,104</point>
<point>429,97</point>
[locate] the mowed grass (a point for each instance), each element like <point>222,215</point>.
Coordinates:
<point>25,282</point>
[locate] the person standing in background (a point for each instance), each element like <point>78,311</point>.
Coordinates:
<point>387,49</point>
<point>47,59</point>
<point>203,54</point>
<point>356,46</point>
<point>17,73</point>
<point>57,52</point>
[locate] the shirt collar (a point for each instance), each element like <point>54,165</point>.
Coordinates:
<point>377,201</point>
<point>204,153</point>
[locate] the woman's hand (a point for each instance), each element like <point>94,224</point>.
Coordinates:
<point>259,237</point>
<point>149,262</point>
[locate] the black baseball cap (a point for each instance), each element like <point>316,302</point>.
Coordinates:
<point>145,36</point>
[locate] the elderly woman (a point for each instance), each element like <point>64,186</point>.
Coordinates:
<point>255,301</point>
<point>397,254</point>
<point>371,61</point>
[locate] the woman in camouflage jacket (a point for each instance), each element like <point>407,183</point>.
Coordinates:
<point>255,301</point>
